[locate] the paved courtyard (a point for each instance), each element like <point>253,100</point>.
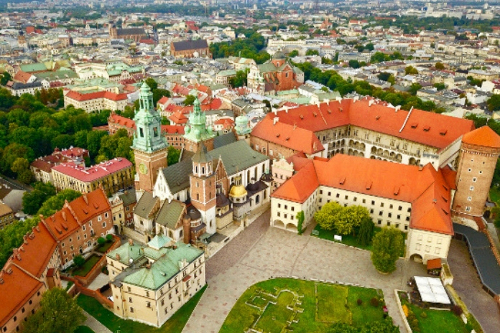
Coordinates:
<point>260,253</point>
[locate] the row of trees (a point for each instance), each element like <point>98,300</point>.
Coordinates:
<point>334,81</point>
<point>356,221</point>
<point>250,47</point>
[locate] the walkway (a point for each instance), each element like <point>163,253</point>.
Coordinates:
<point>260,253</point>
<point>95,325</point>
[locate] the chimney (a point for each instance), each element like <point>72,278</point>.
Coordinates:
<point>186,226</point>
<point>130,242</point>
<point>275,120</point>
<point>370,102</point>
<point>117,256</point>
<point>85,199</point>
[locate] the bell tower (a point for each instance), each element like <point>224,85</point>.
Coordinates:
<point>149,145</point>
<point>202,187</point>
<point>196,130</point>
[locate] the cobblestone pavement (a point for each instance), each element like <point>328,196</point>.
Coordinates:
<point>260,253</point>
<point>468,286</point>
<point>94,324</point>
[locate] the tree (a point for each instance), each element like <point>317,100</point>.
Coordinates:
<point>414,88</point>
<point>300,222</point>
<point>387,247</point>
<point>293,54</point>
<point>79,260</point>
<point>377,57</point>
<point>32,201</point>
<point>439,86</point>
<point>189,100</point>
<point>151,83</point>
<point>58,313</point>
<point>312,52</point>
<point>20,164</point>
<point>439,66</point>
<point>411,70</point>
<point>158,94</point>
<point>173,155</point>
<point>354,64</point>
<point>240,79</point>
<point>6,77</point>
<point>55,203</point>
<point>365,232</point>
<point>493,103</point>
<point>384,76</point>
<point>325,217</point>
<point>349,218</point>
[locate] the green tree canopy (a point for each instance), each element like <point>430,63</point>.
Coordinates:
<point>6,77</point>
<point>349,218</point>
<point>173,155</point>
<point>58,312</point>
<point>32,201</point>
<point>55,203</point>
<point>439,66</point>
<point>411,70</point>
<point>293,54</point>
<point>189,100</point>
<point>326,216</point>
<point>493,103</point>
<point>387,247</point>
<point>312,52</point>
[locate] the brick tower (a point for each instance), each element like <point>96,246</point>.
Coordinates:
<point>202,187</point>
<point>478,157</point>
<point>150,146</point>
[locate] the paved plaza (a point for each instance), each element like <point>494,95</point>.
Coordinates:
<point>260,253</point>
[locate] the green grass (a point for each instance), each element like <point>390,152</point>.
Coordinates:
<point>350,239</point>
<point>243,316</point>
<point>104,247</point>
<point>495,194</point>
<point>83,329</point>
<point>437,320</point>
<point>175,324</point>
<point>87,266</point>
<point>332,303</point>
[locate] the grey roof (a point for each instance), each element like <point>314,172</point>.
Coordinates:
<point>130,31</point>
<point>223,140</point>
<point>128,197</point>
<point>190,45</point>
<point>177,175</point>
<point>19,85</point>
<point>145,205</point>
<point>201,155</point>
<point>170,213</point>
<point>237,156</point>
<point>486,264</point>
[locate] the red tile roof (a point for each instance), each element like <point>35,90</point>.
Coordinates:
<point>22,77</point>
<point>34,254</point>
<point>426,189</point>
<point>424,127</point>
<point>95,172</point>
<point>89,205</point>
<point>17,288</point>
<point>172,129</point>
<point>163,100</point>
<point>287,135</point>
<point>75,95</point>
<point>120,120</point>
<point>483,136</point>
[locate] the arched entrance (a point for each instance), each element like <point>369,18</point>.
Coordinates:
<point>279,224</point>
<point>416,257</point>
<point>291,227</point>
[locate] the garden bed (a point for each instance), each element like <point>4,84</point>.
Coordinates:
<point>87,266</point>
<point>104,247</point>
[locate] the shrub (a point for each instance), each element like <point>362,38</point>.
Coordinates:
<point>359,301</point>
<point>374,301</point>
<point>101,240</point>
<point>405,310</point>
<point>109,237</point>
<point>457,310</point>
<point>78,261</point>
<point>423,315</point>
<point>414,322</point>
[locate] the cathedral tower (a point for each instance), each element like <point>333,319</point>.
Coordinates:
<point>202,187</point>
<point>196,130</point>
<point>476,166</point>
<point>150,146</point>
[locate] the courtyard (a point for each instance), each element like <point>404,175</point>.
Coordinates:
<point>260,253</point>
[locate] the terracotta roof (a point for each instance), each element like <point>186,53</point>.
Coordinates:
<point>178,118</point>
<point>22,77</point>
<point>95,172</point>
<point>35,252</point>
<point>424,127</point>
<point>172,129</point>
<point>120,120</point>
<point>61,224</point>
<point>299,160</point>
<point>287,135</point>
<point>163,100</point>
<point>426,189</point>
<point>90,205</point>
<point>100,94</point>
<point>483,136</point>
<point>17,288</point>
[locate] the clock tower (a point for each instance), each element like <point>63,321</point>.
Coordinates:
<point>150,146</point>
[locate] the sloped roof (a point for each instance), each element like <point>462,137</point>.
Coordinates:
<point>225,139</point>
<point>97,171</point>
<point>190,45</point>
<point>483,136</point>
<point>90,204</point>
<point>177,175</point>
<point>237,156</point>
<point>171,213</point>
<point>145,205</point>
<point>77,96</point>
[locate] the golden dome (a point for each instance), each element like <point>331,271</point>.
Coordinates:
<point>238,191</point>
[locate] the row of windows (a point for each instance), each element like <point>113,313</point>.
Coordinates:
<point>286,207</point>
<point>437,250</point>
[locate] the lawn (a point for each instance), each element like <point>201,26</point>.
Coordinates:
<point>437,320</point>
<point>83,329</point>
<point>104,247</point>
<point>331,303</point>
<point>494,194</point>
<point>350,239</point>
<point>87,266</point>
<point>175,324</point>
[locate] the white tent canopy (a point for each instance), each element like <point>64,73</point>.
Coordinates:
<point>432,290</point>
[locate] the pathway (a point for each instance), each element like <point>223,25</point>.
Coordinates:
<point>94,324</point>
<point>260,253</point>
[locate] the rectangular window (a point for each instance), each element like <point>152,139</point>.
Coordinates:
<point>131,310</point>
<point>381,204</point>
<point>338,195</point>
